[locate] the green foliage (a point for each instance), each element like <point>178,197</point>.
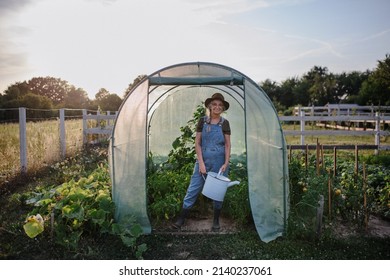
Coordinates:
<point>81,207</point>
<point>306,187</point>
<point>236,203</point>
<point>168,182</point>
<point>374,191</point>
<point>376,89</point>
<point>353,197</point>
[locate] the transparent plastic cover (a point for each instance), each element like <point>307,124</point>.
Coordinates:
<point>149,121</point>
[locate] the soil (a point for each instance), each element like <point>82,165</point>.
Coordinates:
<point>201,224</point>
<point>377,227</point>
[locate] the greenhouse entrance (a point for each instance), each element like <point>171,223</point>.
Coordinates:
<point>150,119</point>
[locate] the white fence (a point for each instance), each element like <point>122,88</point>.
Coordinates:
<point>341,120</point>
<point>103,126</point>
<point>342,110</point>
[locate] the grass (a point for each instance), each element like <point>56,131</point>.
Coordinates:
<point>43,145</point>
<point>331,139</point>
<point>244,244</point>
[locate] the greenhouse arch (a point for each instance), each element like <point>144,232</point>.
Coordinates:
<point>149,120</point>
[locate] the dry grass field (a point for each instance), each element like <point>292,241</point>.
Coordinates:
<point>43,145</point>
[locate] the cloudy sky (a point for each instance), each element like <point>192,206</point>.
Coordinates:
<point>96,44</point>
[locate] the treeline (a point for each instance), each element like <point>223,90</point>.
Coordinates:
<point>43,96</point>
<point>317,87</point>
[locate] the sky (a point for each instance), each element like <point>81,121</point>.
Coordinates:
<point>96,44</point>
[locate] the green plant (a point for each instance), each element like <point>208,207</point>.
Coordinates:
<point>83,207</point>
<point>236,203</point>
<point>353,197</point>
<point>307,186</point>
<point>167,182</point>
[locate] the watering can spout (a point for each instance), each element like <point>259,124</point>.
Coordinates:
<point>233,183</point>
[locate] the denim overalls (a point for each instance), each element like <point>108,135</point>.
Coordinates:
<point>213,151</point>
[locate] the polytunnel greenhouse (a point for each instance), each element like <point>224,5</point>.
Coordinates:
<point>149,120</point>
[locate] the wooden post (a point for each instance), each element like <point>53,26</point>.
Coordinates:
<point>329,195</point>
<point>62,134</point>
<point>23,140</point>
<point>306,156</point>
<point>318,157</point>
<point>356,161</point>
<point>320,212</point>
<point>334,162</point>
<point>365,197</point>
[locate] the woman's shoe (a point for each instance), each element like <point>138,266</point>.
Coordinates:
<point>180,221</point>
<point>216,226</point>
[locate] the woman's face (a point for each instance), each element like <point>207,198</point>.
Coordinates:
<point>216,107</point>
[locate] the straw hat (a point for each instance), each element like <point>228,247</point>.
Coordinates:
<point>217,96</point>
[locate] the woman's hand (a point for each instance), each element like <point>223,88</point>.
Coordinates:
<point>202,168</point>
<point>223,167</point>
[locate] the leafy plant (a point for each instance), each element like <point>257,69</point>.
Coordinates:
<point>77,208</point>
<point>353,197</point>
<point>168,181</point>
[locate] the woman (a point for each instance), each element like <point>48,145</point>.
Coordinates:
<point>212,146</point>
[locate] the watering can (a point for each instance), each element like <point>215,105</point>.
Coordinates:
<point>215,186</point>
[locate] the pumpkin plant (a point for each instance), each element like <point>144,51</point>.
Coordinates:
<point>77,208</point>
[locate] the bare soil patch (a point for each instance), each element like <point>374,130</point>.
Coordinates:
<point>377,227</point>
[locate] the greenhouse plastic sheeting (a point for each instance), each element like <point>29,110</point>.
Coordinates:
<point>267,165</point>
<point>149,120</point>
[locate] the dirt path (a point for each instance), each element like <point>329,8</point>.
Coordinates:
<point>202,225</point>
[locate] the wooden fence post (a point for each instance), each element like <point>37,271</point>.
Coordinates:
<point>365,196</point>
<point>318,157</point>
<point>356,161</point>
<point>23,140</point>
<point>334,162</point>
<point>62,134</point>
<point>320,212</point>
<point>329,194</point>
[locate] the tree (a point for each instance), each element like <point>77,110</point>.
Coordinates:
<point>30,100</point>
<point>349,84</point>
<point>53,88</point>
<point>15,91</point>
<point>301,93</point>
<point>102,93</point>
<point>110,102</point>
<point>287,97</point>
<point>271,88</point>
<point>323,86</point>
<point>75,99</point>
<point>376,89</point>
<point>134,84</point>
